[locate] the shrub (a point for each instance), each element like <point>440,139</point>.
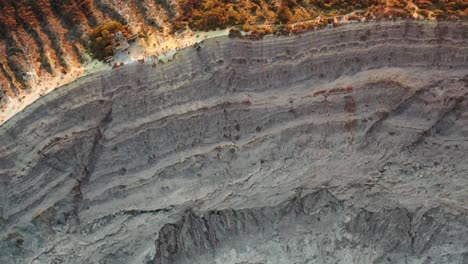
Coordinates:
<point>101,37</point>
<point>235,33</point>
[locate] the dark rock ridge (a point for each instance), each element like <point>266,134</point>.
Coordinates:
<point>315,228</point>
<point>346,145</point>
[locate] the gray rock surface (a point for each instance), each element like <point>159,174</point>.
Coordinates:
<point>346,145</point>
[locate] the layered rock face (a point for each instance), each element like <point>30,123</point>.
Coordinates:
<point>345,145</point>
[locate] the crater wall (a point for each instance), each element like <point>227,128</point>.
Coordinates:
<point>345,145</point>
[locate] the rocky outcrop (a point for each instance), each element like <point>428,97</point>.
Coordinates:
<point>337,146</point>
<point>314,228</point>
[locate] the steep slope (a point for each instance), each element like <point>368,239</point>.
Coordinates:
<point>345,145</point>
<point>44,42</point>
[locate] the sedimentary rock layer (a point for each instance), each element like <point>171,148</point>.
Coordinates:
<point>339,146</point>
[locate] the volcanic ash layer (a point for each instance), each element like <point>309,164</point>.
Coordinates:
<point>346,145</point>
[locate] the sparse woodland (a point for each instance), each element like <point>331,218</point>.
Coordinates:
<point>212,14</point>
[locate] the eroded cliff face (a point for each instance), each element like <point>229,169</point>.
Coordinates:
<point>45,43</point>
<point>341,146</point>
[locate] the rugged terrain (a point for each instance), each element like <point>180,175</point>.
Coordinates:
<point>346,145</point>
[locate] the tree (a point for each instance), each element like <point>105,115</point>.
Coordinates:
<point>108,51</point>
<point>235,33</point>
<point>284,14</point>
<point>102,36</point>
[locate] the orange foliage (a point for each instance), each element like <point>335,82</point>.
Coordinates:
<point>212,14</point>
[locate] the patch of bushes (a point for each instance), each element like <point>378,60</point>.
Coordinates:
<point>101,37</point>
<point>212,14</point>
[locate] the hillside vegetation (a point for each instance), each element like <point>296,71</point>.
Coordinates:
<point>211,14</point>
